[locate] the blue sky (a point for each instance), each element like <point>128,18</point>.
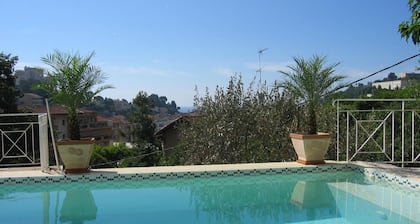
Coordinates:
<point>168,47</point>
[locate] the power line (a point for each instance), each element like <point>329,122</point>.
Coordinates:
<point>135,157</point>
<point>368,76</point>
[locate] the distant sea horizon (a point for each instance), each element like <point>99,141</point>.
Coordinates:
<point>186,109</point>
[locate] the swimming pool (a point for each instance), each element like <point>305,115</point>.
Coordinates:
<point>251,196</point>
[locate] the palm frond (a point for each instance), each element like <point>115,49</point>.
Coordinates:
<point>72,79</point>
<point>310,81</point>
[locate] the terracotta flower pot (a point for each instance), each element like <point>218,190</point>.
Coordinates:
<point>76,154</point>
<point>311,149</point>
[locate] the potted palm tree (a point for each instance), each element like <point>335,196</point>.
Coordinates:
<point>71,83</point>
<point>310,82</point>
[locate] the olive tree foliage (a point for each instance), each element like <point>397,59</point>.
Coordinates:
<point>239,124</point>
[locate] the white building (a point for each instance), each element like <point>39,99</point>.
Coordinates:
<point>29,73</point>
<point>400,83</point>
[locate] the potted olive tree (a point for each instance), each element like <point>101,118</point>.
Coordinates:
<point>71,83</point>
<point>310,81</point>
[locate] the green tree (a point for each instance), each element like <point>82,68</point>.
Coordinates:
<point>8,91</point>
<point>310,81</point>
<point>103,106</point>
<point>118,155</point>
<point>413,89</point>
<point>143,125</point>
<point>72,82</point>
<point>392,76</point>
<point>111,156</point>
<point>410,29</point>
<point>29,86</point>
<point>356,91</point>
<point>161,102</point>
<point>144,129</point>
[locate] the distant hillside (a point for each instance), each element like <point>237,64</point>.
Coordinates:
<point>365,89</point>
<point>162,105</point>
<point>110,107</point>
<point>357,91</point>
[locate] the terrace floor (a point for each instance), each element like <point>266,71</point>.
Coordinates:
<point>409,173</point>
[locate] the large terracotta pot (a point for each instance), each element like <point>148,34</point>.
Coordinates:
<point>76,154</point>
<point>310,149</point>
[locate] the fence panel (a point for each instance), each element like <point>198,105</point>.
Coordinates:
<point>389,134</point>
<point>24,140</point>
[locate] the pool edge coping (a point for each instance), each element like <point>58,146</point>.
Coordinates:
<point>374,171</point>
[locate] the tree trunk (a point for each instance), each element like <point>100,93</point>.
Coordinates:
<point>74,125</point>
<point>312,124</point>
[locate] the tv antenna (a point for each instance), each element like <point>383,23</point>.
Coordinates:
<point>260,52</point>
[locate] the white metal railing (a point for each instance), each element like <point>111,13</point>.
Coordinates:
<point>382,135</point>
<point>24,140</point>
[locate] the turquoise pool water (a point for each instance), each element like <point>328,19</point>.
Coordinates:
<point>340,197</point>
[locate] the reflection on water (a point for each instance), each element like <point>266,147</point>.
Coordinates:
<point>268,202</point>
<point>315,199</point>
<point>78,206</point>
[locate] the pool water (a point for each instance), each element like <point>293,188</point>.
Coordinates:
<point>340,197</point>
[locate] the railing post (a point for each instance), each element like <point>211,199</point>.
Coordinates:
<point>402,132</point>
<point>384,135</point>
<point>393,137</point>
<point>347,136</point>
<point>413,117</point>
<point>338,131</point>
<point>43,142</point>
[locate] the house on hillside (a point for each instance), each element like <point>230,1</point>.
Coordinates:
<point>169,133</point>
<point>31,99</point>
<point>89,126</point>
<point>400,83</point>
<point>121,128</point>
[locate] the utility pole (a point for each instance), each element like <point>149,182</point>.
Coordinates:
<point>259,61</point>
